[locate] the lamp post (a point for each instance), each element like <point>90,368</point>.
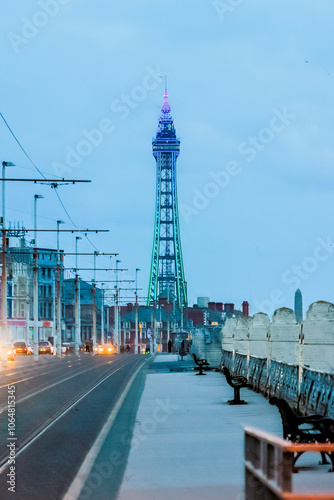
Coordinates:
<point>58,298</point>
<point>77,300</point>
<point>4,273</point>
<point>35,294</point>
<point>136,315</point>
<point>94,302</point>
<point>102,313</point>
<point>116,310</point>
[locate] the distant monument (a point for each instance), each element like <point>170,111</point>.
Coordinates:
<point>299,306</point>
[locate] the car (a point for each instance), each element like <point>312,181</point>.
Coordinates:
<point>45,347</point>
<point>11,352</point>
<point>22,348</point>
<point>105,349</point>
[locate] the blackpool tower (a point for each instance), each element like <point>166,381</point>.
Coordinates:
<point>167,274</point>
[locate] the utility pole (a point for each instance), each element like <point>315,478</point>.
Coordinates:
<point>4,362</point>
<point>35,306</point>
<point>77,301</point>
<point>4,332</point>
<point>94,303</point>
<point>102,314</point>
<point>58,298</point>
<point>116,334</point>
<point>136,316</point>
<point>35,289</point>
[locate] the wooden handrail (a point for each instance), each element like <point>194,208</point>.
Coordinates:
<point>269,466</point>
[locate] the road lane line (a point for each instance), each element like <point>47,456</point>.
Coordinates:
<point>80,479</point>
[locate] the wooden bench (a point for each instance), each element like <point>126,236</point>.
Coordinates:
<point>202,364</point>
<point>305,429</point>
<point>237,382</point>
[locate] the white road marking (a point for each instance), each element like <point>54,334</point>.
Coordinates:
<point>80,479</point>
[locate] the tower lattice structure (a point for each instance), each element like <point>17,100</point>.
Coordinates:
<point>167,273</point>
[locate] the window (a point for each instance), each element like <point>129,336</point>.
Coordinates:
<point>22,310</point>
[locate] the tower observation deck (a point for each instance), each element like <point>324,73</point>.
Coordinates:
<point>167,273</point>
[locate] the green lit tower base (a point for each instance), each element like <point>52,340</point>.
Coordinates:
<point>167,273</point>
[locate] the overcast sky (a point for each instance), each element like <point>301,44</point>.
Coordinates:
<point>251,91</point>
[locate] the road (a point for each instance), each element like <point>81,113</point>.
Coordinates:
<point>61,406</point>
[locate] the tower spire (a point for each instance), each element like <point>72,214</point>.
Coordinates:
<point>165,109</point>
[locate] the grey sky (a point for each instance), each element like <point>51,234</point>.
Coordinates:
<point>255,171</point>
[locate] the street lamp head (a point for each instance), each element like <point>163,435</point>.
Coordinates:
<point>60,222</point>
<point>38,196</point>
<point>78,238</point>
<point>8,164</point>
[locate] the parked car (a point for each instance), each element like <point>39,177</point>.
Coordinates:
<point>22,348</point>
<point>105,349</point>
<point>11,352</point>
<point>45,347</point>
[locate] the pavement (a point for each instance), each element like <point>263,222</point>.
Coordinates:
<point>188,442</point>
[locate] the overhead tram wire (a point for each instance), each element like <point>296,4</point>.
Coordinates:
<point>41,173</point>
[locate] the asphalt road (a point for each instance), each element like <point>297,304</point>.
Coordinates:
<point>61,405</point>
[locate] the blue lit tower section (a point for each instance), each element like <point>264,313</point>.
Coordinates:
<point>167,273</point>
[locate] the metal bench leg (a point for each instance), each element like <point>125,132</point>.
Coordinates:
<point>237,400</point>
<point>200,370</point>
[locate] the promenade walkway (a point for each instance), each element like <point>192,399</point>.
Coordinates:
<point>188,443</point>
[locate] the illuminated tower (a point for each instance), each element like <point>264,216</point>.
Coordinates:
<point>167,273</point>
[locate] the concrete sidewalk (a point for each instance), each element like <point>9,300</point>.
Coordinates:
<point>188,443</point>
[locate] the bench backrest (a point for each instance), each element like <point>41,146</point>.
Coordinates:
<point>227,374</point>
<point>194,356</point>
<point>289,418</point>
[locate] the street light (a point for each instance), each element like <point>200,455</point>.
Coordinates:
<point>36,197</point>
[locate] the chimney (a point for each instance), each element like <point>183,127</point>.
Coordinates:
<point>219,306</point>
<point>245,309</point>
<point>212,306</point>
